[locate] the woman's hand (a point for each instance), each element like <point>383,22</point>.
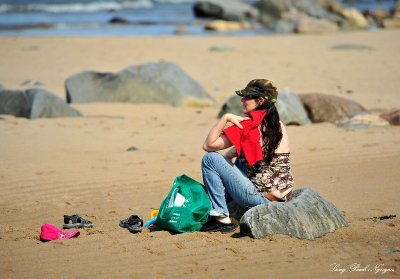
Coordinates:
<point>235,119</point>
<point>216,140</point>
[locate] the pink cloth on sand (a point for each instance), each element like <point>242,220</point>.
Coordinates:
<point>50,232</point>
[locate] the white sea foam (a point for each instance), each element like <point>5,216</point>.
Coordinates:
<point>78,7</point>
<point>175,1</point>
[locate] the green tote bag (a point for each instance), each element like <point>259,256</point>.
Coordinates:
<point>186,207</point>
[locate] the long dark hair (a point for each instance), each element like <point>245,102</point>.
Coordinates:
<point>271,131</point>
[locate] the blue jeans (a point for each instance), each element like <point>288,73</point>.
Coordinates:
<point>225,180</point>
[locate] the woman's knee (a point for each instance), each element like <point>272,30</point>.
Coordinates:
<point>210,158</point>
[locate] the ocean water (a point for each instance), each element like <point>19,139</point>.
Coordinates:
<point>92,17</point>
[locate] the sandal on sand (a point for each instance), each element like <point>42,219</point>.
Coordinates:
<point>76,222</point>
<point>135,228</point>
<point>134,224</point>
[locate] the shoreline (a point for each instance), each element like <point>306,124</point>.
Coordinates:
<point>129,18</point>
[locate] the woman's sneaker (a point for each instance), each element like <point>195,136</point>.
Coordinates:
<point>213,225</point>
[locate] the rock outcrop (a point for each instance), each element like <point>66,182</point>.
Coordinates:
<point>329,108</point>
<point>306,216</point>
<point>163,82</point>
<point>34,103</point>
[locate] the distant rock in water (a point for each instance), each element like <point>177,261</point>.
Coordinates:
<point>306,216</point>
<point>34,103</point>
<point>329,108</point>
<point>118,20</point>
<point>162,82</point>
<point>289,106</point>
<point>235,10</point>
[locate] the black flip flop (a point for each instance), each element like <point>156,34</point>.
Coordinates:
<point>133,223</point>
<point>135,228</point>
<point>76,222</point>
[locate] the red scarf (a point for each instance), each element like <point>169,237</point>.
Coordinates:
<point>248,138</point>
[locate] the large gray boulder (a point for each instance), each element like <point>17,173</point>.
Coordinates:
<point>306,216</point>
<point>162,82</point>
<point>232,105</point>
<point>224,9</point>
<point>34,103</point>
<point>289,106</point>
<point>291,110</point>
<point>329,108</point>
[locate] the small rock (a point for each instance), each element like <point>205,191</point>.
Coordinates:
<point>363,121</point>
<point>393,116</point>
<point>383,217</point>
<point>38,83</point>
<point>25,82</point>
<point>392,251</point>
<point>220,48</point>
<point>351,46</point>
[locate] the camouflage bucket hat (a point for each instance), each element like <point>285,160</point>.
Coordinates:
<point>260,88</point>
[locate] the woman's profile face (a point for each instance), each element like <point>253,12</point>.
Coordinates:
<point>250,104</point>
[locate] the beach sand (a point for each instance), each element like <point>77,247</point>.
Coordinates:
<point>52,167</point>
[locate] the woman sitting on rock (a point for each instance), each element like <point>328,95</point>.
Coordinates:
<point>260,151</point>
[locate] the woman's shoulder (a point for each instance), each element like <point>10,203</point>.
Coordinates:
<point>284,144</point>
<point>283,129</point>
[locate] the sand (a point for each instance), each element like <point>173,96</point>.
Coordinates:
<point>52,167</point>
